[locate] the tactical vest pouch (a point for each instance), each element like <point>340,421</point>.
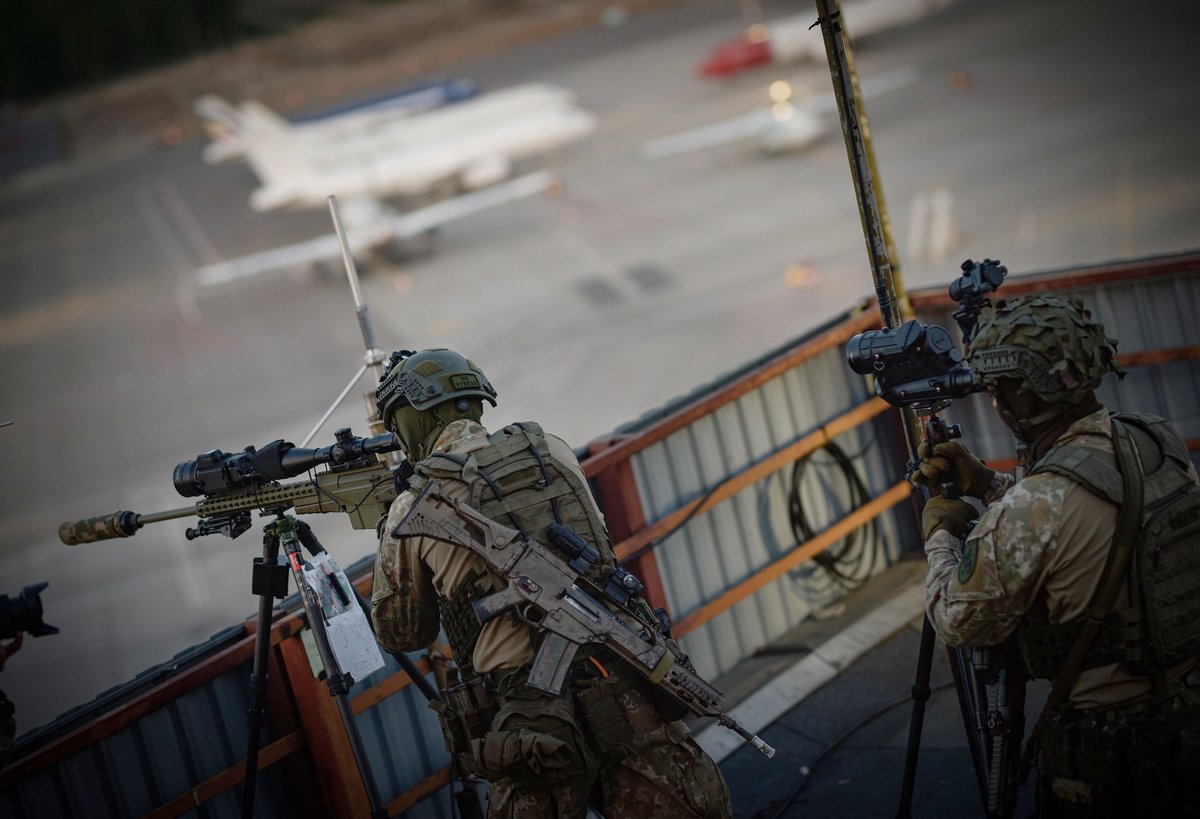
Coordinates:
<point>1168,570</point>
<point>459,620</point>
<point>473,707</point>
<point>465,716</point>
<point>1044,645</point>
<point>605,718</point>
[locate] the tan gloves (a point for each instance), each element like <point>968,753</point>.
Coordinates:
<point>953,515</point>
<point>971,476</point>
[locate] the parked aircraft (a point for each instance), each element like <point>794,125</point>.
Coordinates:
<point>796,37</point>
<point>396,179</point>
<point>791,123</point>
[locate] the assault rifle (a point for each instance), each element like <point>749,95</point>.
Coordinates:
<point>551,594</point>
<point>233,485</point>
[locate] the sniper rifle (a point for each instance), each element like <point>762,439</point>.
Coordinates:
<point>357,483</point>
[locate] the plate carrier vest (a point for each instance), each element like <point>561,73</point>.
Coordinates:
<point>1161,627</point>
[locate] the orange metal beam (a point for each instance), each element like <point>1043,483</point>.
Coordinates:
<point>801,553</point>
<point>128,713</point>
<point>1077,277</point>
<point>1167,355</point>
<point>382,690</point>
<point>329,746</point>
<point>809,443</point>
<point>426,787</point>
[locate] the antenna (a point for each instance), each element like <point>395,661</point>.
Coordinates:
<point>374,357</point>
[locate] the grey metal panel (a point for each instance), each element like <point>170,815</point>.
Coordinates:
<point>716,550</point>
<point>130,784</point>
<point>403,741</point>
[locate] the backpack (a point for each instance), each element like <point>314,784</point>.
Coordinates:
<point>516,480</point>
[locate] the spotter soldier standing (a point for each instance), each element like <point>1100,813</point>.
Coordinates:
<point>1103,527</point>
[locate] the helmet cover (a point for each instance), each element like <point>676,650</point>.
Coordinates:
<point>1048,344</point>
<point>427,378</point>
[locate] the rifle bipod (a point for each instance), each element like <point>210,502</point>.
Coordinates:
<point>270,581</point>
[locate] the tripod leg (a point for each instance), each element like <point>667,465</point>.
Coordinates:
<point>266,584</point>
<point>920,695</point>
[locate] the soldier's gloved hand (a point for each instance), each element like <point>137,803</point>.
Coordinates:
<point>971,476</point>
<point>950,514</point>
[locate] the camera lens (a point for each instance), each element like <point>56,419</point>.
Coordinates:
<point>23,613</point>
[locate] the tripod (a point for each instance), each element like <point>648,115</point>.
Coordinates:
<point>270,581</point>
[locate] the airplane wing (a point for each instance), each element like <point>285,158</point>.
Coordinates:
<point>787,126</point>
<point>402,226</point>
<point>746,126</point>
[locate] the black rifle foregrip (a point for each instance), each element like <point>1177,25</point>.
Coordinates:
<point>118,524</point>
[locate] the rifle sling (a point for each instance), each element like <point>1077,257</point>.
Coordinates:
<point>1115,570</point>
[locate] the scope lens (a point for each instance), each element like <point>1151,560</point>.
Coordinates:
<point>186,480</point>
<point>858,353</point>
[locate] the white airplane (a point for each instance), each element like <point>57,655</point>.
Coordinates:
<point>789,124</point>
<point>460,156</point>
<point>795,37</point>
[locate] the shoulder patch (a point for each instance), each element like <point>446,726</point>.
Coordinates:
<point>966,566</point>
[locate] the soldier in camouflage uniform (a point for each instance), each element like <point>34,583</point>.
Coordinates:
<point>608,739</point>
<point>1127,738</point>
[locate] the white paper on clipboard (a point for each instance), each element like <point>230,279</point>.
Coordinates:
<point>350,636</point>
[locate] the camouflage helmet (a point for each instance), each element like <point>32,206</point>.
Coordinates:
<point>1049,345</point>
<point>427,378</point>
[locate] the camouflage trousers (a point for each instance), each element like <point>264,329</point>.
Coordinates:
<point>602,742</point>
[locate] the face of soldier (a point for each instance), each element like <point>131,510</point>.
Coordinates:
<point>1014,405</point>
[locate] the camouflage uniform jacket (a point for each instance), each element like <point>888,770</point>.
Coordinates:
<point>1043,541</point>
<point>411,573</point>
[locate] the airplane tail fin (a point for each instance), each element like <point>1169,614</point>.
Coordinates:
<point>263,121</point>
<point>255,133</point>
<point>224,127</point>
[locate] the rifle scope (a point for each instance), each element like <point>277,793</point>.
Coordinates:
<point>216,472</point>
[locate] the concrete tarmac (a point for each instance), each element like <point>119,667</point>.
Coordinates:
<point>841,750</point>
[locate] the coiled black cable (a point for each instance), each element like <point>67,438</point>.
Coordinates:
<point>853,560</point>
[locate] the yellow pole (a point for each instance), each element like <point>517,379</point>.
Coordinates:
<point>885,265</point>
